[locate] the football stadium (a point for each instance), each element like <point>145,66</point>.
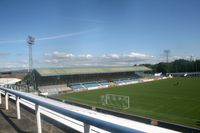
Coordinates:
<point>132,92</point>
<point>100,66</point>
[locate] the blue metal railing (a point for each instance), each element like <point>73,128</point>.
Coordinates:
<point>111,127</point>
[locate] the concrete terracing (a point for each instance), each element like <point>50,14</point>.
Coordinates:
<point>27,124</point>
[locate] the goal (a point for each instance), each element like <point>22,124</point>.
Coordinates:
<point>115,101</point>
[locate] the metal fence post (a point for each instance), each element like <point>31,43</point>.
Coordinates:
<point>18,108</point>
<point>6,100</point>
<point>128,102</point>
<point>106,100</point>
<point>0,97</point>
<point>38,118</point>
<point>86,128</point>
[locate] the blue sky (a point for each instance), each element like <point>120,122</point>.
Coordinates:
<point>97,32</point>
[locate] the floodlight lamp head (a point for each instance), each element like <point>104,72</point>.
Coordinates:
<point>167,51</point>
<point>30,40</point>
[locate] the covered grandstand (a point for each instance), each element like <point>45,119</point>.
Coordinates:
<point>87,78</point>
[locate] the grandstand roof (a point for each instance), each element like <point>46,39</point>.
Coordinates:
<point>5,81</point>
<point>98,70</point>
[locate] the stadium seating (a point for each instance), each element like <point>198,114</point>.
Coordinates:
<point>76,86</point>
<point>126,81</point>
<point>54,89</point>
<point>91,84</point>
<point>104,83</point>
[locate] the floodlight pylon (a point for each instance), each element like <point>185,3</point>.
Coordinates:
<point>30,41</point>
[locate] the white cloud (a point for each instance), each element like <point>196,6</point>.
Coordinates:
<point>116,56</point>
<point>13,65</point>
<point>127,58</point>
<point>53,61</point>
<point>137,55</point>
<point>88,56</point>
<point>64,55</point>
<point>68,59</point>
<point>59,55</point>
<point>65,59</point>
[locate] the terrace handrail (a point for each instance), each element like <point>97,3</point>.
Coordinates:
<point>87,120</point>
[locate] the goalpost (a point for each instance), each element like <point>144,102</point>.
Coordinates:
<point>115,101</point>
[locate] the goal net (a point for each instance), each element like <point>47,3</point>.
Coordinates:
<point>115,101</point>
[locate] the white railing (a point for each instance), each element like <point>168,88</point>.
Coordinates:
<point>87,120</point>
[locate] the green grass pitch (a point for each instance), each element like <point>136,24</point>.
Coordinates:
<point>174,100</point>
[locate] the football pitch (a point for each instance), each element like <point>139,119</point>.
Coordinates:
<point>174,100</point>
